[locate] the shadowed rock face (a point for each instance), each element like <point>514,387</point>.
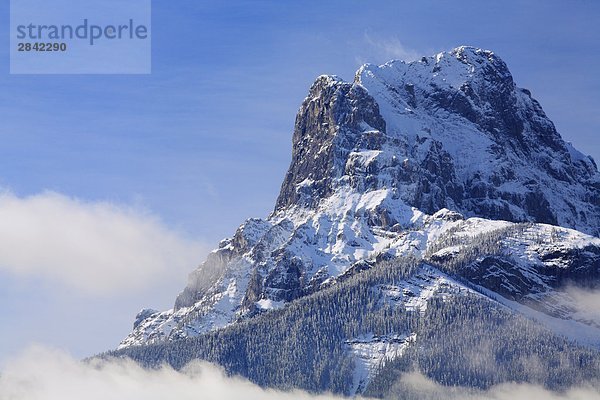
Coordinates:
<point>577,267</point>
<point>330,124</point>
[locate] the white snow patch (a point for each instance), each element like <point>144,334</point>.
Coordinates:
<point>268,304</point>
<point>372,352</point>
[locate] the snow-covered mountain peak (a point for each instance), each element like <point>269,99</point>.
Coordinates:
<point>448,131</point>
<point>436,158</point>
<point>460,66</point>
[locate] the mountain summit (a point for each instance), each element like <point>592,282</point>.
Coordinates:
<point>444,163</point>
<point>449,131</point>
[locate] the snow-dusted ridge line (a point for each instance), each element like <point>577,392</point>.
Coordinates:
<point>223,307</point>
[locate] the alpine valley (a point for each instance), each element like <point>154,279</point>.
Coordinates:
<point>432,220</point>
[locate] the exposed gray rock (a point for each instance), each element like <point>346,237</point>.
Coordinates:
<point>329,124</point>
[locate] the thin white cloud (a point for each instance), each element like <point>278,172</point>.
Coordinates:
<point>586,303</point>
<point>96,247</point>
<point>416,386</point>
<point>42,374</point>
<point>387,48</point>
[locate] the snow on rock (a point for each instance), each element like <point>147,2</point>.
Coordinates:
<point>372,352</point>
<point>474,142</point>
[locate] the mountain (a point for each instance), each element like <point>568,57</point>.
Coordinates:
<point>419,195</point>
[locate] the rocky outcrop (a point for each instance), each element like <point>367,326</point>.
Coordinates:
<point>331,123</point>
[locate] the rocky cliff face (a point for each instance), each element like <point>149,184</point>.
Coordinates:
<point>382,167</point>
<point>335,119</point>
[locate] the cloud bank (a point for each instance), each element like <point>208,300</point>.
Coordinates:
<point>44,374</point>
<point>416,386</point>
<point>96,247</point>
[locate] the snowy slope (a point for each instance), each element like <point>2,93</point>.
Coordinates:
<point>329,248</point>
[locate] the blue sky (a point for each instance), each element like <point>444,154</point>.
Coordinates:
<point>204,141</point>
